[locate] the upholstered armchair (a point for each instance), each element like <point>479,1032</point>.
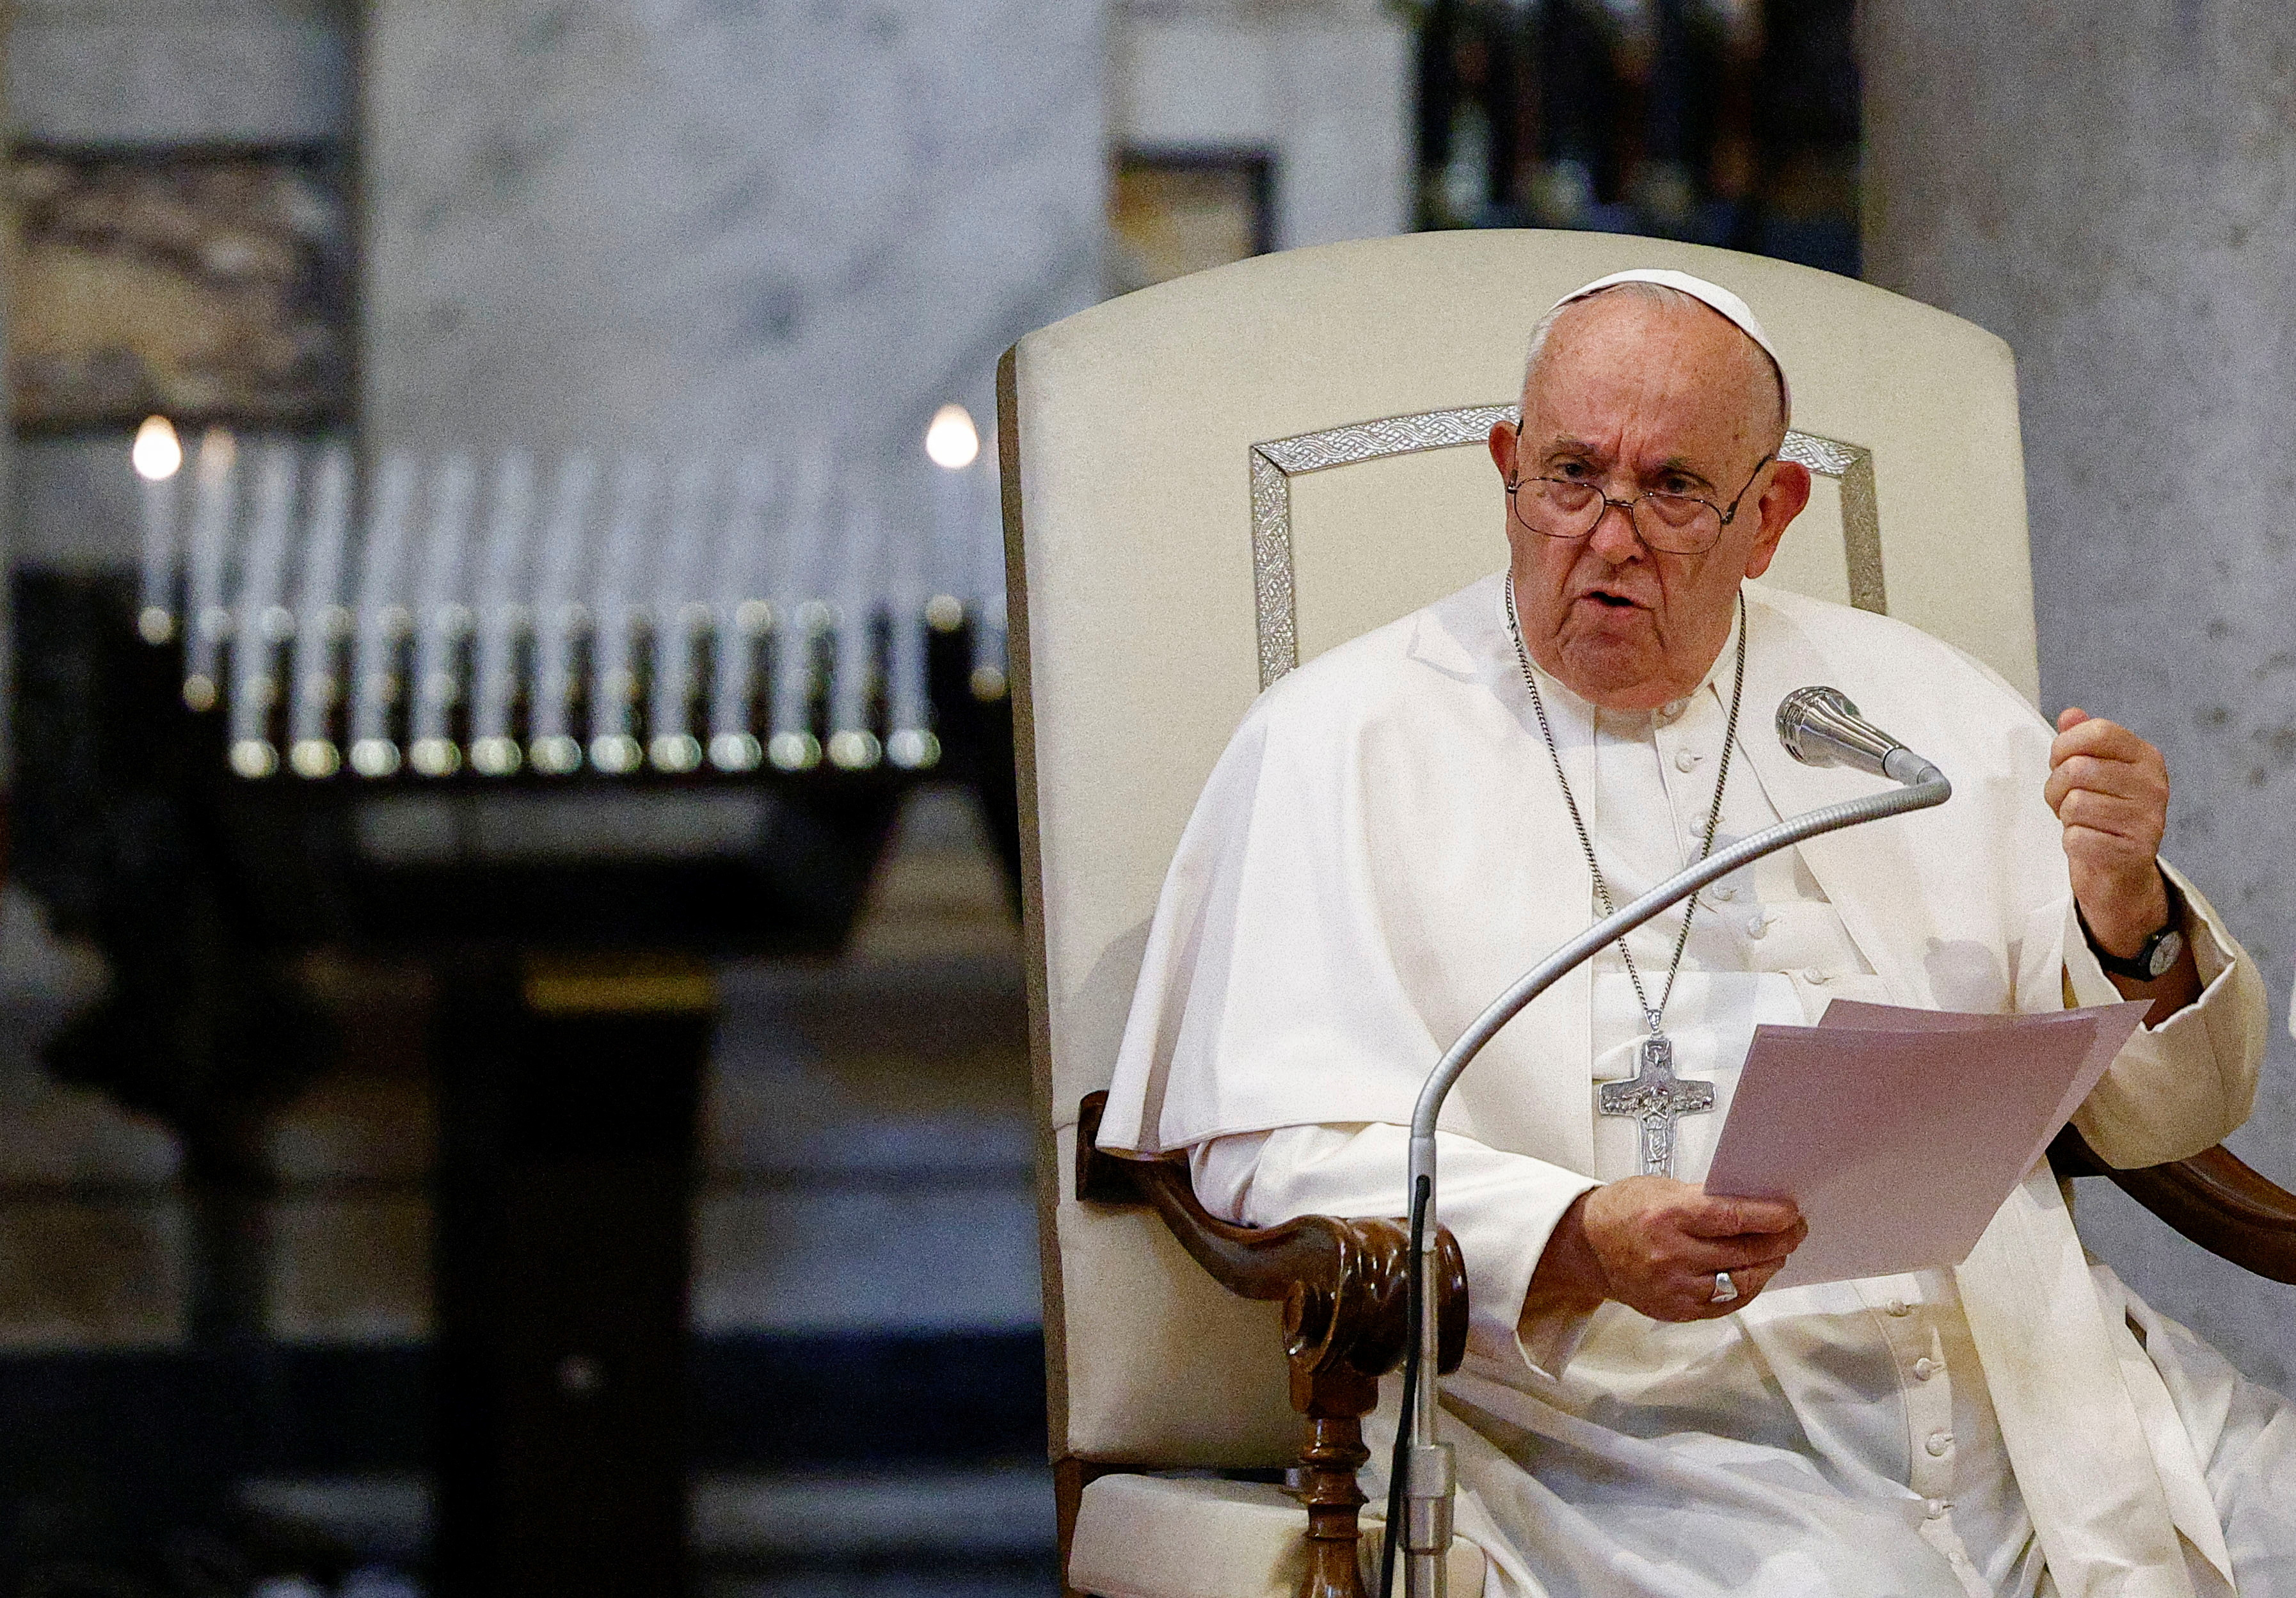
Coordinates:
<point>1210,481</point>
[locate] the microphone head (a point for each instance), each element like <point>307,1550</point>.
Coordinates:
<point>1819,726</point>
<point>1811,721</point>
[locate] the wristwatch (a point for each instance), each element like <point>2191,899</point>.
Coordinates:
<point>2151,961</point>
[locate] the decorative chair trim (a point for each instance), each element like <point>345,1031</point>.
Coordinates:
<point>1277,461</point>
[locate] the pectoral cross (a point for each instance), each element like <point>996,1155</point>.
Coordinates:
<point>1655,1097</point>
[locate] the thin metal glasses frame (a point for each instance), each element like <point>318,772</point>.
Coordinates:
<point>1722,518</point>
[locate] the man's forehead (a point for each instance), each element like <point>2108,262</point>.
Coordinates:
<point>1596,345</point>
<point>1615,337</point>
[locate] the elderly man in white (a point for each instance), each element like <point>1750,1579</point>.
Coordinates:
<point>1400,825</point>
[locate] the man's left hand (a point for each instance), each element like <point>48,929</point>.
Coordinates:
<point>2110,789</point>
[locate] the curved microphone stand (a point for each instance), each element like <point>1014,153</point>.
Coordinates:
<point>1819,727</point>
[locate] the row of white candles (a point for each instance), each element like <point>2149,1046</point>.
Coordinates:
<point>763,554</point>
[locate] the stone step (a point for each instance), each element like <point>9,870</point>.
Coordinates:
<point>987,1514</point>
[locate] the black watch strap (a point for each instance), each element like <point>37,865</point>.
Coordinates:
<point>2158,953</point>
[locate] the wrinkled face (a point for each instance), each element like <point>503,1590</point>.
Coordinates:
<point>1638,396</point>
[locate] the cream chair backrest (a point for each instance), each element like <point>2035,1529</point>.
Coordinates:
<point>1210,480</point>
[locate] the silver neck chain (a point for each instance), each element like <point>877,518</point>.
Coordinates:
<point>1653,1014</point>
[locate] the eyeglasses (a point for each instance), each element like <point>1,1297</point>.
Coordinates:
<point>1677,524</point>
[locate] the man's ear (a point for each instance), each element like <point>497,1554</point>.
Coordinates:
<point>1781,500</point>
<point>1501,443</point>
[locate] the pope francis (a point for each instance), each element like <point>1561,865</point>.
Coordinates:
<point>1400,825</point>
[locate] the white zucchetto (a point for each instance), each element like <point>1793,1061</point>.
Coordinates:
<point>1706,293</point>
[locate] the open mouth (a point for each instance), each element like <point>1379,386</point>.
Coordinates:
<point>1616,602</point>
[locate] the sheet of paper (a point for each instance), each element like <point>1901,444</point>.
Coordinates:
<point>1901,1132</point>
<point>2116,1025</point>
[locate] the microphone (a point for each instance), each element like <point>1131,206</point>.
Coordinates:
<point>1819,726</point>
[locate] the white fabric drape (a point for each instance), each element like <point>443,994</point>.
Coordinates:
<point>1384,846</point>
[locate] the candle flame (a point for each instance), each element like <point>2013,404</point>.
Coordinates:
<point>158,454</point>
<point>952,440</point>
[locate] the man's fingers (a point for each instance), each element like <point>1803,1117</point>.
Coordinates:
<point>2095,735</point>
<point>2135,819</point>
<point>1719,1217</point>
<point>1659,1244</point>
<point>1765,1251</point>
<point>2109,851</point>
<point>2099,774</point>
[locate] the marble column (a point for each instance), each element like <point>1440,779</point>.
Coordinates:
<point>2113,190</point>
<point>719,221</point>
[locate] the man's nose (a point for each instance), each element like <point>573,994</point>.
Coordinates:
<point>1614,537</point>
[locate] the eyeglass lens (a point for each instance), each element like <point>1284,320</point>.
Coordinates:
<point>1678,524</point>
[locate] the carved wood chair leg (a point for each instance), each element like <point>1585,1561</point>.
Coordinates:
<point>1328,1484</point>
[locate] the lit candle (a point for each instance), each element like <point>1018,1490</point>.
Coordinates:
<point>382,615</point>
<point>740,615</point>
<point>677,612</point>
<point>797,614</point>
<point>206,621</point>
<point>987,537</point>
<point>614,748</point>
<point>320,618</point>
<point>559,616</point>
<point>953,445</point>
<point>259,622</point>
<point>158,455</point>
<point>501,614</point>
<point>440,619</point>
<point>852,746</point>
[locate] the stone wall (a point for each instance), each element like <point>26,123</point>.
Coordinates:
<point>2108,189</point>
<point>179,71</point>
<point>684,223</point>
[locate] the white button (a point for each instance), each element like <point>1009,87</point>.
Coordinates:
<point>1683,760</point>
<point>1898,1307</point>
<point>1812,975</point>
<point>1672,710</point>
<point>1925,1367</point>
<point>1757,924</point>
<point>1726,891</point>
<point>1939,1508</point>
<point>1939,1444</point>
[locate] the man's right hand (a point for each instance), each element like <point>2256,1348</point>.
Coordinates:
<point>1654,1244</point>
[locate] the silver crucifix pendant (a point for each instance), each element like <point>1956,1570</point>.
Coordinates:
<point>1655,1098</point>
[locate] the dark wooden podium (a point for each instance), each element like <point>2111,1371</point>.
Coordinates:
<point>573,1021</point>
<point>567,1100</point>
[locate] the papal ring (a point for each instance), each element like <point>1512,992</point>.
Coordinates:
<point>1725,1290</point>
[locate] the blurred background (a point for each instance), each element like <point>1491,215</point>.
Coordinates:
<point>515,1059</point>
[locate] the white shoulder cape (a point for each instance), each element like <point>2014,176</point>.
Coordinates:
<point>1383,848</point>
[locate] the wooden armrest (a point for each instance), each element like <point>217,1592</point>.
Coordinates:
<point>1344,1289</point>
<point>2213,1198</point>
<point>1343,1283</point>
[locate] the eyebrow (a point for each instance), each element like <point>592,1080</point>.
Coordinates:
<point>1673,464</point>
<point>1676,463</point>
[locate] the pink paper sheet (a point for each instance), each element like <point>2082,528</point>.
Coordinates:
<point>1899,1132</point>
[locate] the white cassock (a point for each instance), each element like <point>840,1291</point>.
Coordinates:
<point>1383,848</point>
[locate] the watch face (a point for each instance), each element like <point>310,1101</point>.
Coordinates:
<point>2164,953</point>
